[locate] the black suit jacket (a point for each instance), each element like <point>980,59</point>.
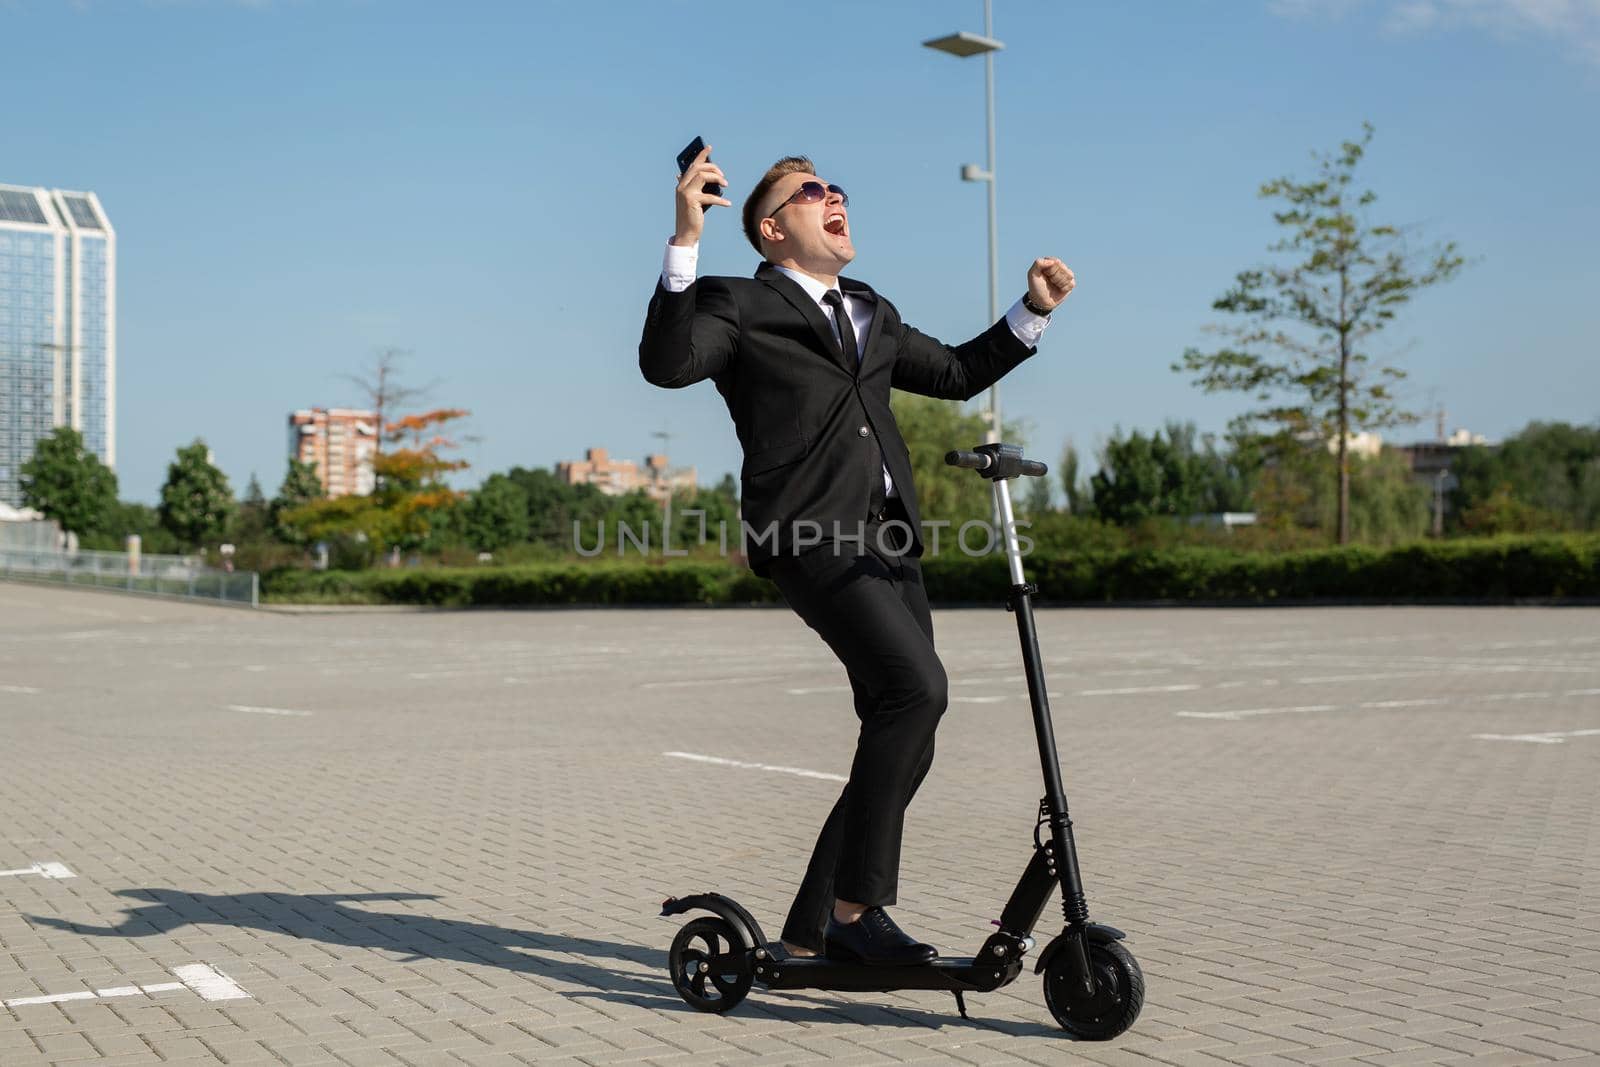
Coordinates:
<point>815,426</point>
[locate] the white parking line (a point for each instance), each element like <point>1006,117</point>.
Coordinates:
<point>253,710</point>
<point>202,978</point>
<point>47,868</point>
<point>1248,713</point>
<point>1420,702</point>
<point>1552,737</point>
<point>801,771</point>
<point>1137,689</point>
<point>54,998</point>
<point>209,982</point>
<point>693,682</point>
<point>23,689</point>
<point>1475,698</point>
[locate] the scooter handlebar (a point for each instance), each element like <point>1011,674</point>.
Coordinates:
<point>977,461</point>
<point>982,461</point>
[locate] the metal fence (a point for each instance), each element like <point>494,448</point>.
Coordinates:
<point>169,576</point>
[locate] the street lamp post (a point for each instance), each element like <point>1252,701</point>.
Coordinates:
<point>666,514</point>
<point>965,44</point>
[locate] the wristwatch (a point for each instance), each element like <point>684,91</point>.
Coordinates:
<point>1027,302</point>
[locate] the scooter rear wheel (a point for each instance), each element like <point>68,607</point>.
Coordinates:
<point>1118,993</point>
<point>698,941</point>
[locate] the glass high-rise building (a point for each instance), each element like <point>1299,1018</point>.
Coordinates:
<point>58,325</point>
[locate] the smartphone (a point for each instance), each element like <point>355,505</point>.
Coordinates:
<point>686,157</point>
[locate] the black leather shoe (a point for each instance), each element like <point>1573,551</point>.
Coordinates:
<point>874,939</point>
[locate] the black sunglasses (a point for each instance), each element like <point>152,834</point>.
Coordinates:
<point>812,193</point>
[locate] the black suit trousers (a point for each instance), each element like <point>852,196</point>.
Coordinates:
<point>871,609</point>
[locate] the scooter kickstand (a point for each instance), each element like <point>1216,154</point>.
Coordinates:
<point>961,1003</point>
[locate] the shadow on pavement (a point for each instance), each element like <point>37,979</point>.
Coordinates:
<point>329,918</point>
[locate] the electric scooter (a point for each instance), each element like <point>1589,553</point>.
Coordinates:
<point>1092,984</point>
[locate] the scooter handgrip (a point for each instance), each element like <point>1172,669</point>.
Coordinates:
<point>1034,469</point>
<point>977,461</point>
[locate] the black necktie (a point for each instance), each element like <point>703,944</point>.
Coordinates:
<point>841,318</point>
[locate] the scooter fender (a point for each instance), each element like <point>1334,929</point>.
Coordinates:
<point>1097,933</point>
<point>725,908</point>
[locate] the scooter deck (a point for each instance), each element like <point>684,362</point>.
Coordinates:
<point>782,971</point>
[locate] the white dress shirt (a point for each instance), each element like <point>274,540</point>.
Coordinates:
<point>679,267</point>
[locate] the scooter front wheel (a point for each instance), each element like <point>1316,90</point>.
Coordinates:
<point>692,950</point>
<point>1118,993</point>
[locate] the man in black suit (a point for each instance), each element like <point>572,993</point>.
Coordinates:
<point>805,360</point>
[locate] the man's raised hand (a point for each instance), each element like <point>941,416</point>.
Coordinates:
<point>1049,282</point>
<point>692,201</point>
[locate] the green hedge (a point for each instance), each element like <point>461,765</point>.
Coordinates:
<point>1491,569</point>
<point>542,583</point>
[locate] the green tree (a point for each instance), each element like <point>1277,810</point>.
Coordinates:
<point>550,506</point>
<point>1174,472</point>
<point>1306,321</point>
<point>196,501</point>
<point>252,523</point>
<point>67,483</point>
<point>129,518</point>
<point>411,500</point>
<point>300,486</point>
<point>1072,482</point>
<point>1502,513</point>
<point>931,428</point>
<point>719,506</point>
<point>1035,501</point>
<point>1551,469</point>
<point>495,515</point>
<point>1387,504</point>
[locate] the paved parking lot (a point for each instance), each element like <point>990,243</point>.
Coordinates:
<point>1333,835</point>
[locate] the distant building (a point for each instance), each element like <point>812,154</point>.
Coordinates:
<point>1429,459</point>
<point>617,477</point>
<point>340,443</point>
<point>1366,443</point>
<point>58,326</point>
<point>1431,464</point>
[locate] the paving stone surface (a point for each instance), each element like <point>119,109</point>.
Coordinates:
<point>1340,835</point>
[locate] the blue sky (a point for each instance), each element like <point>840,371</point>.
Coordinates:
<point>296,185</point>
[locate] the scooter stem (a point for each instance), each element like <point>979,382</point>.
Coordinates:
<point>1074,906</point>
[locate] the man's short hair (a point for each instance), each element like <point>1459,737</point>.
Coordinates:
<point>752,223</point>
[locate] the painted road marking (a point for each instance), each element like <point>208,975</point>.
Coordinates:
<point>47,868</point>
<point>201,978</point>
<point>976,700</point>
<point>1478,698</point>
<point>801,771</point>
<point>209,982</point>
<point>26,689</point>
<point>1136,689</point>
<point>690,683</point>
<point>1247,713</point>
<point>1551,737</point>
<point>52,999</point>
<point>253,710</point>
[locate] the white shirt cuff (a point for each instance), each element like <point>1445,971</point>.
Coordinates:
<point>678,268</point>
<point>1027,326</point>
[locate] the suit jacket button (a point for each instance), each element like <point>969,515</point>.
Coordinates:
<point>863,431</point>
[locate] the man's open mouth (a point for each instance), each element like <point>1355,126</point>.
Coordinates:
<point>835,224</point>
